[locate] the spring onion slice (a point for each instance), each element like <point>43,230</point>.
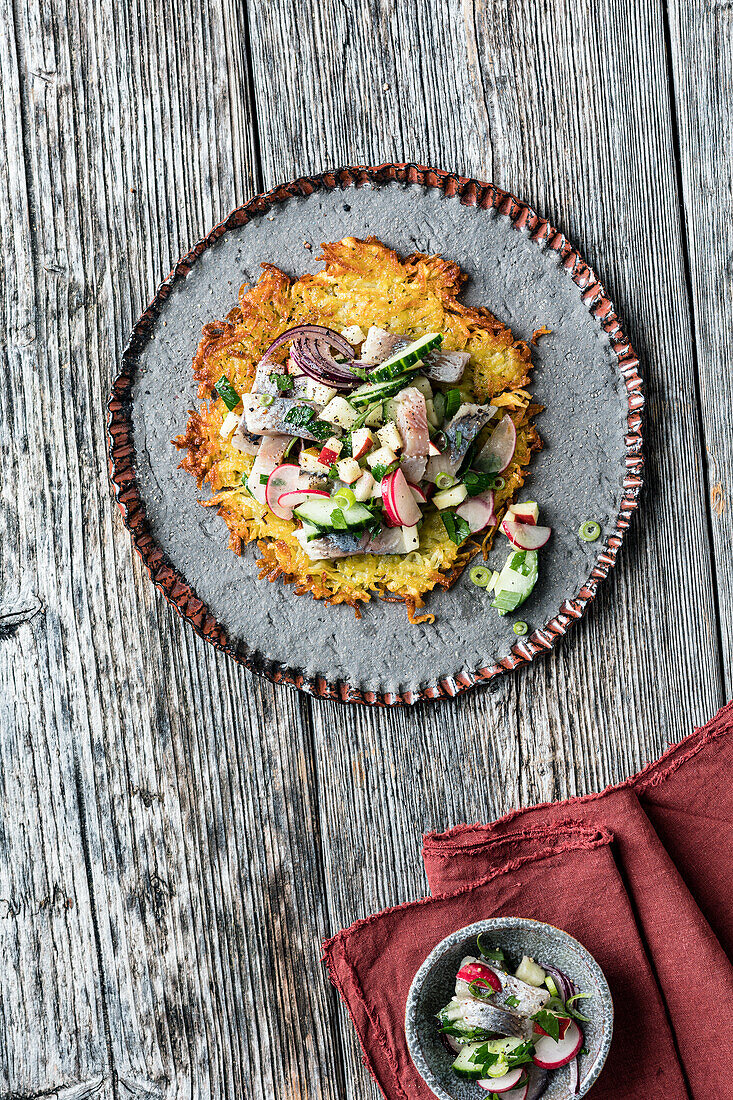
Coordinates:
<point>520,627</point>
<point>480,576</point>
<point>452,403</point>
<point>344,498</point>
<point>589,531</point>
<point>265,399</point>
<point>444,481</point>
<point>549,982</point>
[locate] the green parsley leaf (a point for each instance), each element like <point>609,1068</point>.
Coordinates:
<point>300,416</point>
<point>456,526</point>
<point>379,471</point>
<point>284,382</point>
<point>478,482</point>
<point>549,1022</point>
<point>338,521</point>
<point>227,392</point>
<point>520,1055</point>
<point>321,429</point>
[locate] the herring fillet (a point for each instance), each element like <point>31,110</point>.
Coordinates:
<point>530,999</point>
<point>412,421</point>
<point>465,426</point>
<point>446,366</point>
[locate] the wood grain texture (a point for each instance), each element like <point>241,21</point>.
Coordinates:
<point>161,789</point>
<point>703,101</point>
<point>208,828</point>
<point>503,91</point>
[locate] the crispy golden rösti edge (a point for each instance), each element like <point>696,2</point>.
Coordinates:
<point>363,283</point>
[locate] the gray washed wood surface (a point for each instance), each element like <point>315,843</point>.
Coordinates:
<point>177,836</point>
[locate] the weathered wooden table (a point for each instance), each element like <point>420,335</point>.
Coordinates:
<point>177,836</point>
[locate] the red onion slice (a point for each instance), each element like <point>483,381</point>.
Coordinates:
<point>565,986</point>
<point>311,332</point>
<point>302,355</point>
<point>311,353</point>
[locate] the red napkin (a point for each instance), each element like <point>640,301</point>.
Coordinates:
<point>648,907</point>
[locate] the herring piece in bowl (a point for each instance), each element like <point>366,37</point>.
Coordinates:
<point>536,956</point>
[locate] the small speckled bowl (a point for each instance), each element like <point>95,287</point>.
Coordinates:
<point>434,983</point>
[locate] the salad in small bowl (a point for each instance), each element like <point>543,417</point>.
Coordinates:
<point>509,1009</point>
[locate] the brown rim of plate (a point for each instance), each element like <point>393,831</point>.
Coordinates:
<point>175,587</point>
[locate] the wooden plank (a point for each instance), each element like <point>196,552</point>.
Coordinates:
<point>165,791</point>
<point>49,975</point>
<point>503,91</point>
<point>701,35</point>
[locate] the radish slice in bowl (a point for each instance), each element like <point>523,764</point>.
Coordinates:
<point>500,446</point>
<point>525,536</point>
<point>519,1093</point>
<point>551,1055</point>
<point>399,503</point>
<point>287,501</point>
<point>478,972</point>
<point>507,1083</point>
<point>283,479</point>
<point>478,511</point>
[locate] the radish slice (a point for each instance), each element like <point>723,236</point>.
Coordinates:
<point>419,494</point>
<point>500,446</point>
<point>287,501</point>
<point>513,1094</point>
<point>525,513</point>
<point>478,972</point>
<point>506,1083</point>
<point>283,479</point>
<point>525,536</point>
<point>399,503</point>
<point>478,511</point>
<point>551,1055</point>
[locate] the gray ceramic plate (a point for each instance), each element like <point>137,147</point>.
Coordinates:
<point>434,984</point>
<point>586,375</point>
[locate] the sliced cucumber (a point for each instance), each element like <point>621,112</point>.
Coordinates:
<point>421,383</point>
<point>379,391</point>
<point>391,408</point>
<point>516,581</point>
<point>319,512</point>
<point>451,1013</point>
<point>464,1065</point>
<point>407,357</point>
